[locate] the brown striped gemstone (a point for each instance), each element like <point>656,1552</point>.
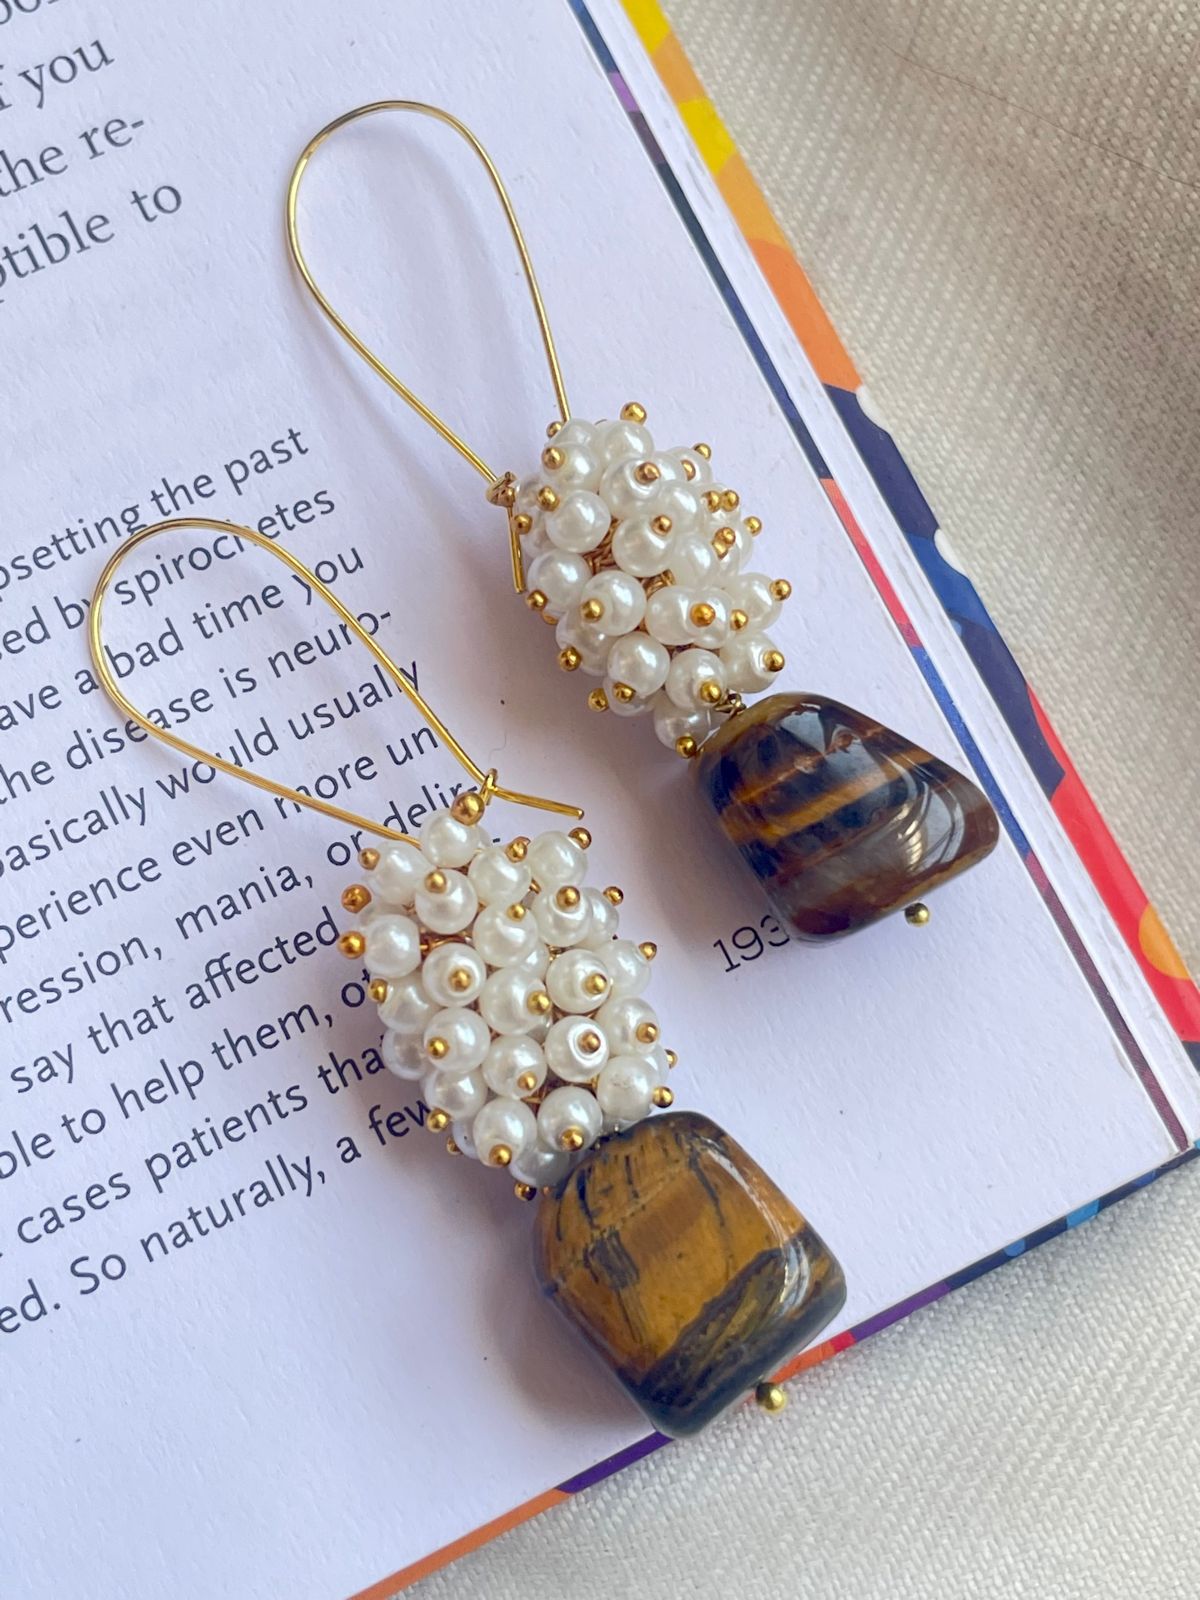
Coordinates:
<point>684,1266</point>
<point>841,820</point>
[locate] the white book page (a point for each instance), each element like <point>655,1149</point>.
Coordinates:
<point>354,1368</point>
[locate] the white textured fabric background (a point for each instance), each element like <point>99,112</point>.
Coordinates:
<point>998,202</point>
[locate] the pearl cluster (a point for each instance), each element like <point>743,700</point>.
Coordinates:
<point>503,987</point>
<point>640,560</point>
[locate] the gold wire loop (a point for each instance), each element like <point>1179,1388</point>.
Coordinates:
<point>487,782</point>
<point>375,362</point>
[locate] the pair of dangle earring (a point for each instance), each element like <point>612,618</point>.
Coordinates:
<point>642,560</point>
<point>505,989</point>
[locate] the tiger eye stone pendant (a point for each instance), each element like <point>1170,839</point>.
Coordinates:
<point>684,1266</point>
<point>841,820</point>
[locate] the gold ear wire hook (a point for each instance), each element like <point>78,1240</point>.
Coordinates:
<point>487,781</point>
<point>498,483</point>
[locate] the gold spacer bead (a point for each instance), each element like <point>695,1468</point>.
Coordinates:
<point>689,469</point>
<point>518,849</point>
<point>598,700</point>
<point>539,1003</point>
<point>352,944</point>
<point>711,693</point>
<point>468,807</point>
<point>590,1042</point>
<point>712,499</point>
<point>437,1049</point>
<point>754,525</point>
<point>738,620</point>
<point>437,1121</point>
<point>551,622</point>
<point>595,983</point>
<point>452,1149</point>
<point>569,659</point>
<point>368,859</point>
<point>774,661</point>
<point>662,1097</point>
<point>686,746</point>
<point>613,895</point>
<point>378,990</point>
<point>702,614</point>
<point>662,523</point>
<point>536,600</point>
<point>623,693</point>
<point>724,540</point>
<point>459,980</point>
<point>770,1397</point>
<point>633,412</point>
<point>356,898</point>
<point>648,949</point>
<point>500,1156</point>
<point>571,1138</point>
<point>523,523</point>
<point>436,881</point>
<point>567,898</point>
<point>552,428</point>
<point>525,1191</point>
<point>552,458</point>
<point>704,450</point>
<point>781,589</point>
<point>516,913</point>
<point>591,610</point>
<point>731,499</point>
<point>581,837</point>
<point>918,914</point>
<point>527,1082</point>
<point>647,472</point>
<point>672,1059</point>
<point>647,1032</point>
<point>503,492</point>
<point>547,498</point>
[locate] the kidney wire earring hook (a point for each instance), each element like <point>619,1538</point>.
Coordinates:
<point>640,559</point>
<point>504,988</point>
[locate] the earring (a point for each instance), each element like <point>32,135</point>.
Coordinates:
<point>641,559</point>
<point>504,987</point>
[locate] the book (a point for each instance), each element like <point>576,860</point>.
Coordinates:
<point>260,1336</point>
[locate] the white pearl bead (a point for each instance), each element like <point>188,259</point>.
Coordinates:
<point>450,908</point>
<point>453,974</point>
<point>604,921</point>
<point>622,1020</point>
<point>639,661</point>
<point>701,466</point>
<point>495,877</point>
<point>408,1007</point>
<point>393,946</point>
<point>690,670</point>
<point>708,635</point>
<point>579,523</point>
<point>404,1055</point>
<point>458,1094</point>
<point>623,491</point>
<point>576,430</point>
<point>593,644</point>
<point>730,559</point>
<point>466,1036</point>
<point>447,842</point>
<point>619,440</point>
<point>742,659</point>
<point>555,860</point>
<point>671,724</point>
<point>622,598</point>
<point>576,1049</point>
<point>681,503</point>
<point>536,962</point>
<point>511,1057</point>
<point>666,615</point>
<point>753,593</point>
<point>562,925</point>
<point>502,939</point>
<point>504,1000</point>
<point>580,467</point>
<point>694,561</point>
<point>628,969</point>
<point>569,1108</point>
<point>541,1167</point>
<point>573,981</point>
<point>503,1122</point>
<point>624,1089</point>
<point>400,873</point>
<point>560,576</point>
<point>639,549</point>
<point>460,1132</point>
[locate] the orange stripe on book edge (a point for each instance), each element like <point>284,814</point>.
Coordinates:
<point>461,1547</point>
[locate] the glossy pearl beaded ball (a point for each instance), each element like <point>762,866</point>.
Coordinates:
<point>642,562</point>
<point>505,989</point>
